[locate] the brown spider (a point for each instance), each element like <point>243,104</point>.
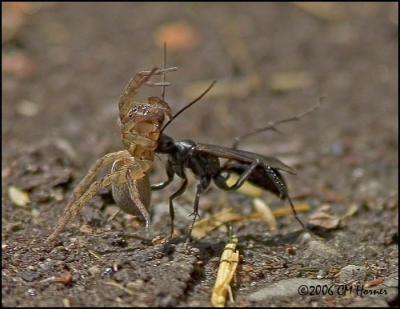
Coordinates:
<point>140,130</point>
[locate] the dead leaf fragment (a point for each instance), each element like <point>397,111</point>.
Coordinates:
<point>95,254</point>
<point>177,35</point>
<point>158,240</point>
<point>373,283</point>
<point>351,211</point>
<point>66,302</point>
<point>323,219</point>
<point>18,197</point>
<point>266,213</point>
<point>64,278</point>
<point>28,108</point>
<point>202,227</point>
<point>283,211</point>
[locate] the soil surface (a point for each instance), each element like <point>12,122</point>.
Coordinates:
<point>64,67</point>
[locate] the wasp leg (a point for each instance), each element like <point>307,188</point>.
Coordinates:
<point>201,187</point>
<point>282,191</point>
<point>220,181</point>
<point>294,212</point>
<point>170,174</point>
<point>172,197</point>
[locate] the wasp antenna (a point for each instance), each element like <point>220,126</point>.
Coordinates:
<point>187,106</point>
<point>272,125</point>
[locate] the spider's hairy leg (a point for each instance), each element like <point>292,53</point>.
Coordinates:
<point>137,196</point>
<point>133,196</point>
<point>82,187</point>
<point>117,177</point>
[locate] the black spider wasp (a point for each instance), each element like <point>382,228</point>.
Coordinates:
<point>203,160</point>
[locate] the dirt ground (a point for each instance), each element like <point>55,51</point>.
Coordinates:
<point>64,67</point>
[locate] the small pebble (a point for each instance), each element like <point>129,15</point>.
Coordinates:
<point>28,275</point>
<point>351,273</point>
<point>28,108</point>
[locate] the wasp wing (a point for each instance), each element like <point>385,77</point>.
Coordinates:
<point>243,156</point>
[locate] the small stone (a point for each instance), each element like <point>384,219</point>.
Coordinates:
<point>291,251</point>
<point>28,275</point>
<point>59,254</point>
<point>336,148</point>
<point>351,273</point>
<point>286,288</point>
<point>28,108</point>
<point>318,247</point>
<point>321,274</point>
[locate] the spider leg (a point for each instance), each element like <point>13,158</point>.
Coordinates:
<point>137,197</point>
<point>82,187</point>
<point>122,193</point>
<point>158,71</point>
<point>157,84</point>
<point>126,99</point>
<point>133,138</point>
